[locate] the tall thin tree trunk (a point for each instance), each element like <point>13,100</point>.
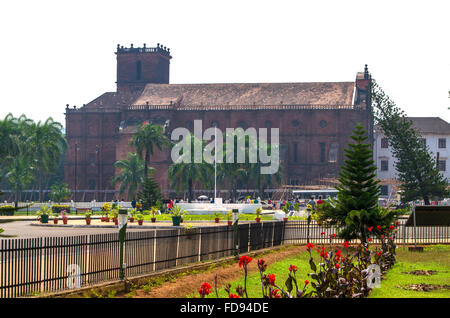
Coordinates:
<point>189,190</point>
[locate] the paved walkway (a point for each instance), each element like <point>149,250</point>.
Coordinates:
<point>32,228</point>
<point>22,229</point>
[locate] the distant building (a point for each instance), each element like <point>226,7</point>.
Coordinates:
<point>435,133</point>
<point>315,120</point>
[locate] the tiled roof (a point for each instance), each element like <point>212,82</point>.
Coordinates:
<point>112,100</point>
<point>432,125</point>
<point>248,94</point>
<point>428,125</point>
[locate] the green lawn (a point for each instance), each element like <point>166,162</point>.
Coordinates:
<point>436,258</point>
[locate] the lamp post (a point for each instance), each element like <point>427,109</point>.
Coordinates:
<point>76,181</point>
<point>123,220</point>
<point>97,151</point>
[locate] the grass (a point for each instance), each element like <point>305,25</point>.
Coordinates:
<point>436,258</point>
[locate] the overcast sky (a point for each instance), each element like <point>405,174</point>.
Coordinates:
<point>55,53</point>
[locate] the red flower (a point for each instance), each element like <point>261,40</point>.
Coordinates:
<point>338,266</point>
<point>205,289</point>
<point>271,278</point>
<point>338,252</point>
<point>244,260</point>
<point>322,233</point>
<point>273,294</point>
<point>379,253</point>
<point>370,229</point>
<point>382,236</point>
<point>379,227</point>
<point>306,282</point>
<point>334,235</point>
<point>390,237</point>
<point>233,296</point>
<point>391,227</point>
<point>262,265</point>
<point>369,239</point>
<point>293,268</point>
<point>345,244</point>
<point>309,246</point>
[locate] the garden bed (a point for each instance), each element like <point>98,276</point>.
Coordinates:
<point>405,279</point>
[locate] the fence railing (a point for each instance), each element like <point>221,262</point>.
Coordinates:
<point>31,266</point>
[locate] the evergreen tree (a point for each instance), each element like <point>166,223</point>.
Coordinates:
<point>150,193</point>
<point>356,207</point>
<point>416,167</point>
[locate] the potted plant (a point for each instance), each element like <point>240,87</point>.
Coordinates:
<point>229,216</point>
<point>154,210</point>
<point>105,210</point>
<point>43,213</point>
<point>132,215</point>
<point>87,215</point>
<point>176,212</point>
<point>114,216</point>
<point>64,216</point>
<point>217,217</point>
<point>55,218</point>
<point>258,215</point>
<point>140,218</point>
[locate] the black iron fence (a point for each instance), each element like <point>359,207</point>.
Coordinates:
<point>33,266</point>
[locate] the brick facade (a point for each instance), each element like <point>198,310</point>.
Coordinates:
<point>315,120</point>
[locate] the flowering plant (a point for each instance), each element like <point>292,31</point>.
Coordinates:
<point>335,275</point>
<point>64,214</point>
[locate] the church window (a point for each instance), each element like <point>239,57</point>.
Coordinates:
<point>322,152</point>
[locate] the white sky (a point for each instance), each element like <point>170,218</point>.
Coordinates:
<point>54,53</point>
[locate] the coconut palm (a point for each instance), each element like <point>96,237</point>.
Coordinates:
<point>48,143</point>
<point>19,167</point>
<point>131,174</point>
<point>146,138</point>
<point>184,172</point>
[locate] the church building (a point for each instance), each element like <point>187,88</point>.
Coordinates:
<point>315,120</point>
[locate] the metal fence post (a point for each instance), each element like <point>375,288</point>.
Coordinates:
<point>235,231</point>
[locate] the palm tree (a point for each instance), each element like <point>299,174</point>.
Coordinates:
<point>185,171</point>
<point>146,138</point>
<point>7,129</point>
<point>48,144</point>
<point>20,171</point>
<point>131,175</point>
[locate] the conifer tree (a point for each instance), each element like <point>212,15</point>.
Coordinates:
<point>416,167</point>
<point>356,207</point>
<point>150,193</point>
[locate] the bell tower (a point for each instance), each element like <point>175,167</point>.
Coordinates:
<point>137,66</point>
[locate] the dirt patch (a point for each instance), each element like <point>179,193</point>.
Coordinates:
<point>190,284</point>
<point>421,272</point>
<point>424,287</point>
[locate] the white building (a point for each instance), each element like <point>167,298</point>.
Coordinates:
<point>435,134</point>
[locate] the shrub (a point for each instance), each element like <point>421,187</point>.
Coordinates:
<point>57,208</point>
